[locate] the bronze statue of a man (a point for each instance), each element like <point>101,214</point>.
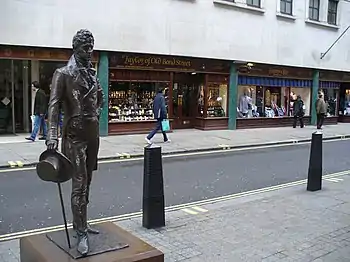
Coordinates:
<point>76,89</point>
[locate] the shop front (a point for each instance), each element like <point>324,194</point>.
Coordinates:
<point>195,92</point>
<point>19,66</point>
<point>266,95</point>
<point>336,88</point>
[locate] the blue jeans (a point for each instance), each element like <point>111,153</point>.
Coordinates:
<point>39,121</point>
<point>155,130</point>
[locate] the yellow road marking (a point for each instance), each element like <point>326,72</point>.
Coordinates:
<point>200,209</point>
<point>189,211</point>
<point>19,163</point>
<point>126,155</point>
<point>37,231</point>
<point>11,163</point>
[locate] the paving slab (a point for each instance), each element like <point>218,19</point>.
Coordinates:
<point>16,148</point>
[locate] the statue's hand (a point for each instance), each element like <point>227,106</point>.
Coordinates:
<point>52,144</point>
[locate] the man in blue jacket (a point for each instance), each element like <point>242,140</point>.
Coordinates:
<point>160,114</point>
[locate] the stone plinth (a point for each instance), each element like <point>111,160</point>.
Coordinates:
<point>113,244</point>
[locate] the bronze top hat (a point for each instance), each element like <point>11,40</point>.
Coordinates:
<point>54,167</point>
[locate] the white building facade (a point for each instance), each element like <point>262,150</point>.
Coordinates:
<point>187,46</point>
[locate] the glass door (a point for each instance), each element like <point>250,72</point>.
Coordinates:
<point>185,99</point>
<point>21,94</point>
<point>6,93</point>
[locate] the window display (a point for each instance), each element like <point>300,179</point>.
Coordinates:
<point>346,103</point>
<point>217,100</point>
<point>331,98</point>
<point>257,101</point>
<point>132,101</point>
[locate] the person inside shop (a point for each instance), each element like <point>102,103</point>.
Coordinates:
<point>245,103</point>
<point>160,113</point>
<point>298,109</point>
<point>40,110</point>
<point>321,110</point>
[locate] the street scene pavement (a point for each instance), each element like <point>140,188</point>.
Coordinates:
<point>284,223</point>
<point>117,187</point>
<point>16,148</point>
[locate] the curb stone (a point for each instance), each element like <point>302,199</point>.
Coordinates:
<point>198,150</point>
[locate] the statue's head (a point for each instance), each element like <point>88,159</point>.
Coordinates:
<point>83,45</point>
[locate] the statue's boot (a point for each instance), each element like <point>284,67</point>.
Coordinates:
<point>83,243</point>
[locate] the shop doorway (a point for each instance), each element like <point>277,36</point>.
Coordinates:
<point>186,95</point>
<point>14,96</point>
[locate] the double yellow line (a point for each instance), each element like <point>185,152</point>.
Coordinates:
<point>27,233</point>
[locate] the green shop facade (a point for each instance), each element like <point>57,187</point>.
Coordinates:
<point>206,94</point>
<point>210,94</point>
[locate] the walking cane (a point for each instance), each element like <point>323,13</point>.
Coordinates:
<point>64,214</point>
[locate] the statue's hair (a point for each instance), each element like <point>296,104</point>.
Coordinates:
<point>81,37</point>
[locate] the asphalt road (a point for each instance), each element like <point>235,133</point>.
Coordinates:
<point>28,203</point>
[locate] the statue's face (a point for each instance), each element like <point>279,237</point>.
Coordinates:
<point>84,51</point>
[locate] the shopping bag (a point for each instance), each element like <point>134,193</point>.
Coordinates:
<point>165,125</point>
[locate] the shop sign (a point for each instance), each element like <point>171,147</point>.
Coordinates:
<point>335,76</point>
<point>151,62</point>
<point>38,53</point>
<point>278,71</point>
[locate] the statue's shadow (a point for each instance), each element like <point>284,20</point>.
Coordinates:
<point>104,242</point>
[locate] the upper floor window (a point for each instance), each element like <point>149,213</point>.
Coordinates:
<point>314,10</point>
<point>286,7</point>
<point>255,3</point>
<point>332,12</point>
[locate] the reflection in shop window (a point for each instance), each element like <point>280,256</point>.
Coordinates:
<point>217,100</point>
<point>133,101</point>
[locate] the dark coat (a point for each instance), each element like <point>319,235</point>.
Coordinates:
<point>40,103</point>
<point>298,107</point>
<point>71,92</point>
<point>159,109</point>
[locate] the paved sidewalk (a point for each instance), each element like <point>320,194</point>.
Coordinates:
<point>16,148</point>
<point>289,224</point>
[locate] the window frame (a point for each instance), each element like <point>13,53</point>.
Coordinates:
<point>332,12</point>
<point>251,3</point>
<point>286,2</point>
<point>313,8</point>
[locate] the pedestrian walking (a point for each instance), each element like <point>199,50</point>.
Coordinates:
<point>298,108</point>
<point>40,110</point>
<point>160,114</point>
<point>321,110</point>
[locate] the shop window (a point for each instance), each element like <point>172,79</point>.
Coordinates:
<point>257,101</point>
<point>331,98</point>
<point>346,103</point>
<point>217,100</point>
<point>250,102</point>
<point>133,101</point>
<point>305,94</point>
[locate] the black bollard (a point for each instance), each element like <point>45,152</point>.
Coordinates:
<point>314,178</point>
<point>153,212</point>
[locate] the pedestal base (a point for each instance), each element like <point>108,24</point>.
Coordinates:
<point>113,244</point>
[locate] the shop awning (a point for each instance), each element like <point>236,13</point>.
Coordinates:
<point>272,81</point>
<point>329,85</point>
